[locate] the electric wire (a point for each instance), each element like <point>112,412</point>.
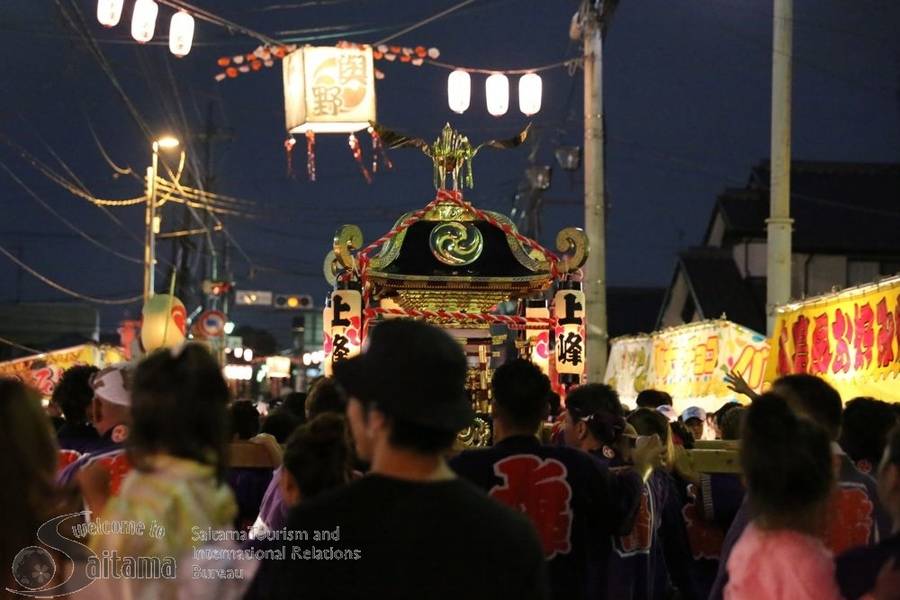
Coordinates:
<point>63,289</point>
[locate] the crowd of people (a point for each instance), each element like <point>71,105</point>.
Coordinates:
<point>360,489</point>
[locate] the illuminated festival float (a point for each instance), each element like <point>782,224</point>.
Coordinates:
<point>458,267</point>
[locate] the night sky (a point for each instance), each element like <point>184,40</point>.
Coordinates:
<point>687,99</point>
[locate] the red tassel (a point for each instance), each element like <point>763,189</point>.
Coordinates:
<point>356,149</point>
<point>378,150</point>
<point>311,155</point>
<point>289,151</point>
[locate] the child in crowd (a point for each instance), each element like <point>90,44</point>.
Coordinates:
<point>787,463</point>
<point>316,459</point>
<point>177,445</point>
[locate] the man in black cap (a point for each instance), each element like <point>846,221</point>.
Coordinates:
<point>409,528</point>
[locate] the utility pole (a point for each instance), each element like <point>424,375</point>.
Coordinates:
<point>593,17</point>
<point>149,225</point>
<point>778,248</point>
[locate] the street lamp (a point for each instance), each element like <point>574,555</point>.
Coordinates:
<point>166,143</point>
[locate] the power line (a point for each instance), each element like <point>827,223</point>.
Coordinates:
<point>19,346</point>
<point>64,220</point>
<point>64,289</point>
<point>426,21</point>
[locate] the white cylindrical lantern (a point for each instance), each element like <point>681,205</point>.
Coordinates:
<point>109,12</point>
<point>459,90</point>
<point>530,93</point>
<point>497,91</point>
<point>569,310</point>
<point>143,20</point>
<point>181,33</point>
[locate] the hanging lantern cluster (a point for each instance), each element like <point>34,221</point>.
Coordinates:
<point>143,23</point>
<point>496,88</point>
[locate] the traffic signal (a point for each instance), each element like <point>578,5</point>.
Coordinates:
<point>217,288</point>
<point>292,301</point>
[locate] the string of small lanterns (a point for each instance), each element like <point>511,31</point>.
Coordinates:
<point>143,23</point>
<point>496,87</point>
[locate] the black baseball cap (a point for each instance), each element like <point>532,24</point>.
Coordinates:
<point>411,371</point>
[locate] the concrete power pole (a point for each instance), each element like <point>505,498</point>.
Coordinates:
<point>778,259</point>
<point>592,23</point>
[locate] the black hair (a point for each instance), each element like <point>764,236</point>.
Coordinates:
<point>684,433</point>
<point>179,406</point>
<point>326,396</point>
<point>653,398</point>
<point>295,402</point>
<point>244,419</point>
<point>592,397</point>
<point>812,397</point>
<point>785,458</point>
<point>420,438</point>
<point>520,394</point>
<point>555,405</point>
<point>893,446</point>
<point>280,424</point>
<point>649,421</point>
<point>606,427</point>
<point>866,424</point>
<point>719,415</point>
<point>29,463</point>
<point>317,455</point>
<point>732,423</point>
<point>73,393</point>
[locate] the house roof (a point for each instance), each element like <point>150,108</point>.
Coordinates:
<point>717,287</point>
<point>846,208</point>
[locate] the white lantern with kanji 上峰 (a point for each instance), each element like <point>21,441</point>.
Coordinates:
<point>569,333</point>
<point>109,12</point>
<point>329,90</point>
<point>496,90</point>
<point>143,20</point>
<point>181,33</point>
<point>459,91</point>
<point>342,327</point>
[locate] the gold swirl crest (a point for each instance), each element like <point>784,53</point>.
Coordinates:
<point>456,244</point>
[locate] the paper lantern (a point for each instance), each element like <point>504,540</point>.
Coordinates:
<point>329,90</point>
<point>568,308</point>
<point>530,93</point>
<point>459,91</point>
<point>181,33</point>
<point>109,12</point>
<point>343,325</point>
<point>164,322</point>
<point>496,90</point>
<point>278,367</point>
<point>538,336</point>
<point>143,20</point>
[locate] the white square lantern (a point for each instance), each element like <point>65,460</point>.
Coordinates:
<point>329,90</point>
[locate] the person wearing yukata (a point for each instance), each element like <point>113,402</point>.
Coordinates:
<point>108,463</point>
<point>858,569</point>
<point>574,502</point>
<point>854,515</point>
<point>787,462</point>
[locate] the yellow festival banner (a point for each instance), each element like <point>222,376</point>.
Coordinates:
<point>850,338</point>
<point>43,371</point>
<point>689,362</point>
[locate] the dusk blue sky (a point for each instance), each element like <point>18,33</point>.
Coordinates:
<point>687,92</point>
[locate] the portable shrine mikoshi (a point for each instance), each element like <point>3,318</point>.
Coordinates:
<point>454,265</point>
